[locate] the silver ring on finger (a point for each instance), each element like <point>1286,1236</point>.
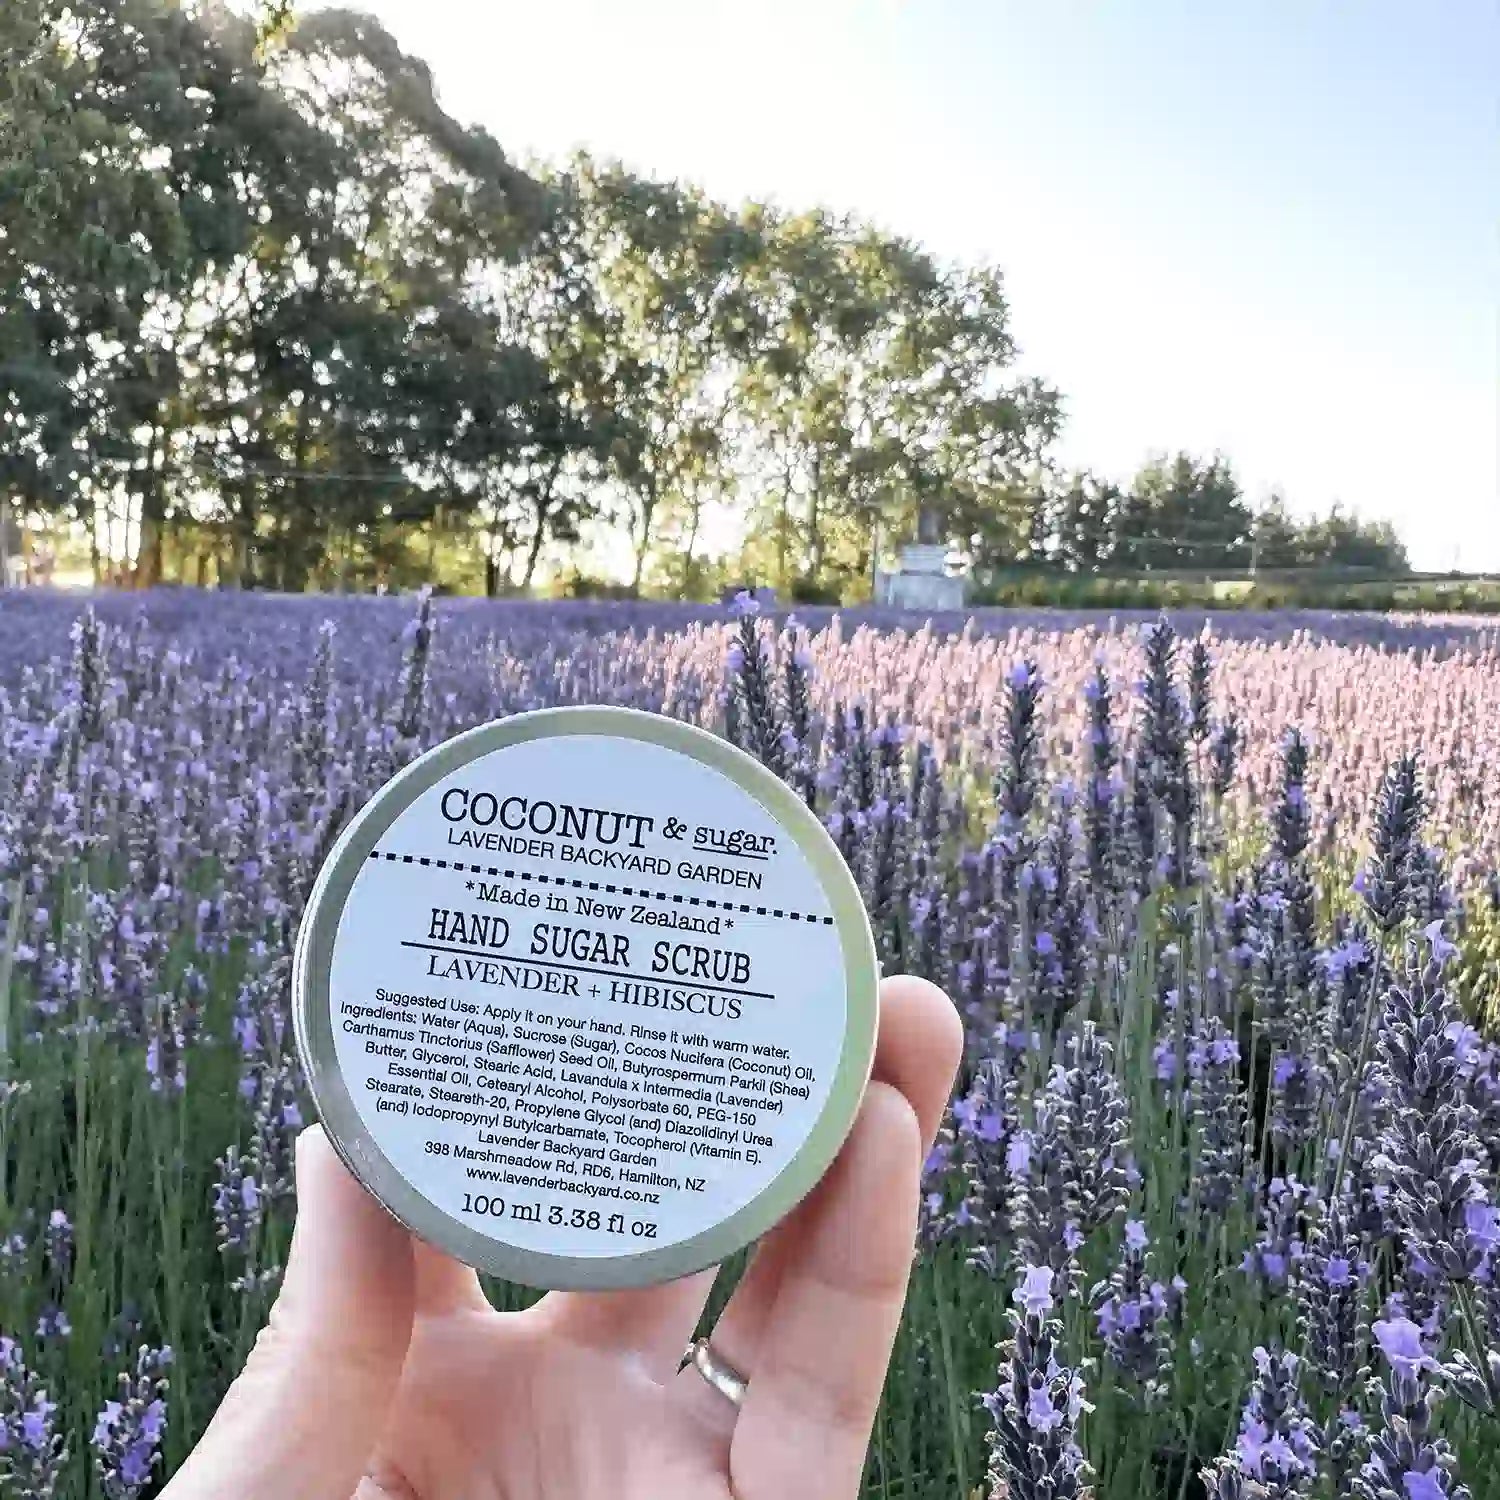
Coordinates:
<point>719,1373</point>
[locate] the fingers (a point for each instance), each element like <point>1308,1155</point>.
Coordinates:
<point>302,1418</point>
<point>920,1040</point>
<point>821,1359</point>
<point>652,1324</point>
<point>920,1043</point>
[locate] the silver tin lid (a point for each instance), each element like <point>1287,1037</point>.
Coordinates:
<point>586,998</point>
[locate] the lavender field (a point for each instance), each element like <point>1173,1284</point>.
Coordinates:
<point>1217,1210</point>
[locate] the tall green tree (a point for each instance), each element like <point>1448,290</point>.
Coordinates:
<point>1084,520</point>
<point>354,377</point>
<point>804,383</point>
<point>881,383</point>
<point>1341,540</point>
<point>92,233</point>
<point>550,303</point>
<point>1186,513</point>
<point>1275,535</point>
<point>969,436</point>
<point>667,271</point>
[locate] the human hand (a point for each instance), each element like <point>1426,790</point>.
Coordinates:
<point>384,1374</point>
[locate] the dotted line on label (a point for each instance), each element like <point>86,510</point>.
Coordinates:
<point>599,885</point>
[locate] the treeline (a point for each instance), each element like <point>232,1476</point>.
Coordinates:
<point>270,317</point>
<point>1185,515</point>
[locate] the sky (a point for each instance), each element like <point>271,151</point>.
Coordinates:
<point>1268,229</point>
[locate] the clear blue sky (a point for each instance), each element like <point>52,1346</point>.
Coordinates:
<point>1270,227</point>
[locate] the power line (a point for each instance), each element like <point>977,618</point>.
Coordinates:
<point>258,471</point>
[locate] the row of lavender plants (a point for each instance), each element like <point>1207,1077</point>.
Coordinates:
<point>1215,1209</point>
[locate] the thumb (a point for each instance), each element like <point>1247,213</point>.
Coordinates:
<point>303,1417</point>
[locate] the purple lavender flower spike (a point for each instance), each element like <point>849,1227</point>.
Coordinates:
<point>1333,1301</point>
<point>32,1451</point>
<point>1075,1178</point>
<point>1034,1453</point>
<point>57,1245</point>
<point>1405,1457</point>
<point>1277,1450</point>
<point>128,1431</point>
<point>1138,1317</point>
<point>1399,810</point>
<point>1217,1111</point>
<point>757,715</point>
<point>1428,1151</point>
<point>992,1155</point>
<point>1165,733</point>
<point>1101,807</point>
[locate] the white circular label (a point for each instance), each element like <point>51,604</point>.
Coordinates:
<point>587,996</point>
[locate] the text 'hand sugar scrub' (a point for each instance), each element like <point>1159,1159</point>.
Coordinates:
<point>586,997</point>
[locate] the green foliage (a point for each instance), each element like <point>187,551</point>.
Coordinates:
<point>269,316</point>
<point>1182,515</point>
<point>1329,590</point>
<point>333,320</point>
<point>881,382</point>
<point>274,20</point>
<point>575,585</point>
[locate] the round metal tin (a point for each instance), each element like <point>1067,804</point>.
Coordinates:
<point>360,854</point>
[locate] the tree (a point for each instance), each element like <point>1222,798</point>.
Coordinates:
<point>273,21</point>
<point>882,385</point>
<point>269,314</point>
<point>1339,540</point>
<point>1333,541</point>
<point>667,264</point>
<point>91,231</point>
<point>352,375</point>
<point>550,303</point>
<point>1277,540</point>
<point>970,437</point>
<point>804,382</point>
<point>1186,513</point>
<point>1085,519</point>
